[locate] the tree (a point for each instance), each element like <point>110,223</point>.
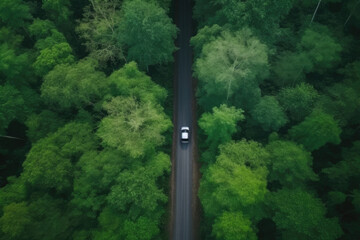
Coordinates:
<point>269,114</point>
<point>57,10</point>
<point>133,127</point>
<point>142,229</point>
<point>99,30</point>
<point>262,16</point>
<point>142,20</point>
<point>236,181</point>
<point>95,174</point>
<point>50,57</point>
<point>299,101</point>
<point>14,13</point>
<point>219,126</point>
<point>12,65</point>
<point>78,85</point>
<point>344,175</point>
<point>129,81</point>
<point>321,48</point>
<point>290,164</point>
<point>205,35</point>
<point>137,191</point>
<point>302,216</point>
<point>316,130</point>
<point>233,63</point>
<point>48,165</point>
<point>11,105</point>
<point>233,226</point>
<point>42,124</point>
<point>15,219</point>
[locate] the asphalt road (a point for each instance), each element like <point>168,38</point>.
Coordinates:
<point>182,229</point>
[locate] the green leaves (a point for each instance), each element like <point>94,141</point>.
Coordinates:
<point>302,216</point>
<point>230,69</point>
<point>299,101</point>
<point>220,125</point>
<point>269,114</point>
<point>68,86</point>
<point>236,181</point>
<point>316,130</point>
<point>233,226</point>
<point>14,13</point>
<point>142,20</point>
<point>290,164</point>
<point>132,127</point>
<point>49,163</point>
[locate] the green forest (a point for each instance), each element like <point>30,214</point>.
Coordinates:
<point>85,119</point>
<point>86,107</point>
<point>279,114</point>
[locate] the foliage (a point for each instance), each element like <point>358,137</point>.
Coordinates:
<point>219,126</point>
<point>76,86</point>
<point>148,21</point>
<point>99,30</point>
<point>302,216</point>
<point>233,226</point>
<point>14,13</point>
<point>132,127</point>
<point>230,69</point>
<point>269,114</point>
<point>316,130</point>
<point>298,101</point>
<point>290,164</point>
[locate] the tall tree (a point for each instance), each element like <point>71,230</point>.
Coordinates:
<point>99,30</point>
<point>133,127</point>
<point>233,226</point>
<point>219,126</point>
<point>290,164</point>
<point>316,130</point>
<point>76,86</point>
<point>302,221</point>
<point>269,114</point>
<point>142,20</point>
<point>230,69</point>
<point>299,101</point>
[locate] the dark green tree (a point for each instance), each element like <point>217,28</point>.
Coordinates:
<point>142,20</point>
<point>316,130</point>
<point>269,114</point>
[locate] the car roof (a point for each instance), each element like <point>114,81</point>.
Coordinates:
<point>185,128</point>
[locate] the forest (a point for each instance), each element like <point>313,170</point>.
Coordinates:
<point>279,114</point>
<point>85,118</point>
<point>86,101</point>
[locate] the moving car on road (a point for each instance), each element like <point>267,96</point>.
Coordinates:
<point>185,132</point>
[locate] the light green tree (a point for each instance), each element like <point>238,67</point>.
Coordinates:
<point>129,81</point>
<point>133,127</point>
<point>230,69</point>
<point>50,57</point>
<point>233,226</point>
<point>219,126</point>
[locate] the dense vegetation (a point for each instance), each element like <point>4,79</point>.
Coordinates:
<point>279,105</point>
<point>85,131</point>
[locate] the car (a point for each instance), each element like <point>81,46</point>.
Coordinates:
<point>185,132</point>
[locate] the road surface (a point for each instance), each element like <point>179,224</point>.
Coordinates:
<point>183,222</point>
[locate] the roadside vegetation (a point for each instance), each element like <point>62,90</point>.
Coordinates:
<point>85,118</point>
<point>279,106</point>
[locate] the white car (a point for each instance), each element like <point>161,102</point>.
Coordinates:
<point>185,132</point>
